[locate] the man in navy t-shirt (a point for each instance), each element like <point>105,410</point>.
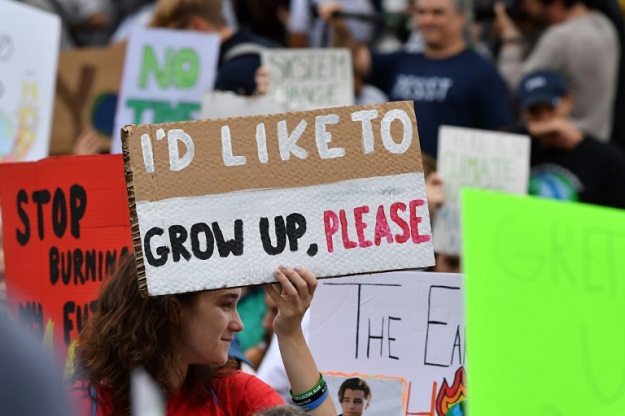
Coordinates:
<point>448,82</point>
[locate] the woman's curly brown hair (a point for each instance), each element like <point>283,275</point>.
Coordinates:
<point>129,331</point>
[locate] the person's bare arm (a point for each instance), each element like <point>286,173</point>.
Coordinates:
<point>342,38</point>
<point>559,132</point>
<point>293,296</point>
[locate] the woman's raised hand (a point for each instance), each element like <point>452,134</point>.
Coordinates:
<point>293,295</point>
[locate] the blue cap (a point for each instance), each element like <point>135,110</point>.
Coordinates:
<point>541,87</point>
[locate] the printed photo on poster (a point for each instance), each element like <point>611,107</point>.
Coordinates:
<point>364,395</point>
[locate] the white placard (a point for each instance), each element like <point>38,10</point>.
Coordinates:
<point>166,73</point>
<point>242,249</point>
<point>29,49</point>
<point>402,324</point>
<point>478,159</point>
<point>224,104</point>
<point>309,79</point>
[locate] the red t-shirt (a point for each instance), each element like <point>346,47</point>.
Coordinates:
<point>239,394</point>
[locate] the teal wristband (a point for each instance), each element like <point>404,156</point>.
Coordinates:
<point>316,403</point>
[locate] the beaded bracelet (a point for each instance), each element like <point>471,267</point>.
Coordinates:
<point>315,389</point>
<point>316,403</point>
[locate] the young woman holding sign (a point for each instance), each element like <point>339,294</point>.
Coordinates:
<point>182,341</point>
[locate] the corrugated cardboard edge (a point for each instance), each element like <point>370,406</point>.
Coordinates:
<point>132,206</point>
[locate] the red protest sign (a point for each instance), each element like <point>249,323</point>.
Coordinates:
<point>66,224</point>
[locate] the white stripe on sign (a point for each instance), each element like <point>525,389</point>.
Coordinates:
<point>237,239</point>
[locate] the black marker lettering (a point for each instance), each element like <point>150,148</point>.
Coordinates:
<point>280,228</point>
<point>391,318</point>
<point>54,265</point>
<point>22,237</point>
<point>208,238</point>
<point>30,317</point>
<point>40,198</point>
<point>77,206</point>
<point>234,246</point>
<point>380,337</point>
<point>177,236</point>
<point>162,252</point>
<point>295,229</point>
<point>59,213</point>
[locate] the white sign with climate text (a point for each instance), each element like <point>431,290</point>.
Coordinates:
<point>479,159</point>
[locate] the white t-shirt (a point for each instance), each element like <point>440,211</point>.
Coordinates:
<point>271,369</point>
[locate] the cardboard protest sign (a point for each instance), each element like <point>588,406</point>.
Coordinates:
<point>401,324</point>
<point>309,79</point>
<point>28,61</point>
<point>166,73</point>
<point>223,104</point>
<point>217,201</point>
<point>545,305</point>
<point>65,225</point>
<point>86,95</point>
<point>479,159</point>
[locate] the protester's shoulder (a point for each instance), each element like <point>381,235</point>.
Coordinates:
<point>244,35</point>
<point>243,382</point>
<point>607,151</point>
<point>242,51</point>
<point>580,27</point>
<point>80,392</point>
<point>475,60</point>
<point>596,18</point>
<point>78,395</point>
<point>476,66</point>
<point>78,388</point>
<point>246,393</point>
<point>399,55</point>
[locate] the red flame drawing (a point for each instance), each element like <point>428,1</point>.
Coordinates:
<point>448,396</point>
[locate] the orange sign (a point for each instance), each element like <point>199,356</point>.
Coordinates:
<point>66,225</point>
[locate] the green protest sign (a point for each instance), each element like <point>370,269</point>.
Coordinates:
<point>181,68</point>
<point>545,288</point>
<point>166,72</point>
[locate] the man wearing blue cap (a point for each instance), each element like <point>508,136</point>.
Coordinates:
<point>567,163</point>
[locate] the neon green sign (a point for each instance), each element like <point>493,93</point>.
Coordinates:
<point>545,288</point>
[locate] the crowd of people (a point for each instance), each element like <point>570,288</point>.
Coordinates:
<point>463,63</point>
<point>551,69</point>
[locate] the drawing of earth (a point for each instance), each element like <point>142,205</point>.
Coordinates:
<point>458,409</point>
